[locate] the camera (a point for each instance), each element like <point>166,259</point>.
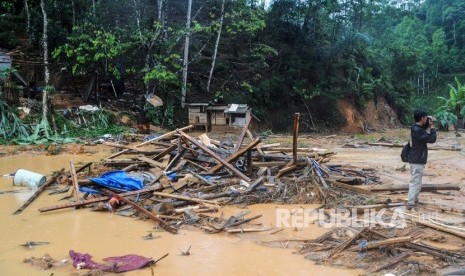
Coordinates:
<point>429,121</point>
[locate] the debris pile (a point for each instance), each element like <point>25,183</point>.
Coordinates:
<point>175,179</point>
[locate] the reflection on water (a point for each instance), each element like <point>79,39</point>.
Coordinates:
<point>105,234</point>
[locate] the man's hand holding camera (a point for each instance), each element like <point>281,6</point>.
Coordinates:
<point>430,120</point>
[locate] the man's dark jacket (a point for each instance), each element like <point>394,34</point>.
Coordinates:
<point>419,152</point>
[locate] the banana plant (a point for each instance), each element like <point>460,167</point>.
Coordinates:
<point>454,105</point>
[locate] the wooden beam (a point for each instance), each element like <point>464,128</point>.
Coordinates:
<point>74,180</point>
<point>236,155</point>
<point>387,242</point>
<point>242,135</point>
<point>424,187</point>
<point>295,136</point>
<point>165,152</point>
<point>151,162</point>
<point>185,198</point>
<point>166,135</point>
<point>35,195</point>
<point>214,155</point>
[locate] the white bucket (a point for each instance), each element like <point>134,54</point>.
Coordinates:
<point>28,178</point>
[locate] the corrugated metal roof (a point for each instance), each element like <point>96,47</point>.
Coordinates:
<point>237,108</point>
<point>217,107</point>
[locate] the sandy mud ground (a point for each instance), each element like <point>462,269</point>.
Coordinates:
<point>105,234</point>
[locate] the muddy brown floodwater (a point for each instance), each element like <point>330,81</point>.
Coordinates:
<point>105,234</point>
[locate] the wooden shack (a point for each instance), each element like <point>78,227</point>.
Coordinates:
<point>218,118</point>
<point>198,115</point>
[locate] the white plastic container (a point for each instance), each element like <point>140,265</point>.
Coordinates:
<point>28,178</point>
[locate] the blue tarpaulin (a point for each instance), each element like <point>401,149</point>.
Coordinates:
<point>118,180</point>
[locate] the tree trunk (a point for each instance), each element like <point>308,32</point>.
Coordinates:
<point>74,13</point>
<point>186,54</point>
<point>28,18</point>
<point>160,11</point>
<point>45,44</point>
<point>93,7</point>
<point>216,47</point>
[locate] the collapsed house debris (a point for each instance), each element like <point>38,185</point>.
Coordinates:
<point>175,179</point>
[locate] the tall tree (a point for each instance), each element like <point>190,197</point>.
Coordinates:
<point>186,54</point>
<point>216,47</point>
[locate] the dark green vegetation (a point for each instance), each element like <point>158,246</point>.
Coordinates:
<point>290,56</point>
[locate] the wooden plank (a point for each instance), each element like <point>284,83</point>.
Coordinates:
<point>243,221</point>
<point>350,188</point>
<point>387,242</point>
<point>236,155</point>
<point>95,200</point>
<point>214,155</point>
<point>175,159</point>
<point>164,136</point>
<point>185,198</point>
<point>151,162</point>
<point>269,164</point>
<point>248,230</point>
<point>35,195</point>
<point>74,180</point>
<point>165,152</point>
<point>43,187</point>
<point>424,187</point>
<point>286,170</point>
<point>295,136</point>
<point>242,135</point>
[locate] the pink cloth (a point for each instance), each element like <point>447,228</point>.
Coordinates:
<point>114,264</point>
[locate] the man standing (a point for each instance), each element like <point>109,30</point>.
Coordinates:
<point>418,154</point>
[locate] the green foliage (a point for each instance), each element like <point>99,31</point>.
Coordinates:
<point>455,104</point>
<point>445,119</point>
<point>89,125</point>
<point>90,48</point>
<point>11,126</point>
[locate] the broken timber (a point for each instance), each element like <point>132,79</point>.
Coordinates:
<point>43,187</point>
<point>166,135</point>
<point>95,200</point>
<point>74,180</point>
<point>214,155</point>
<point>141,209</point>
<point>236,155</point>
